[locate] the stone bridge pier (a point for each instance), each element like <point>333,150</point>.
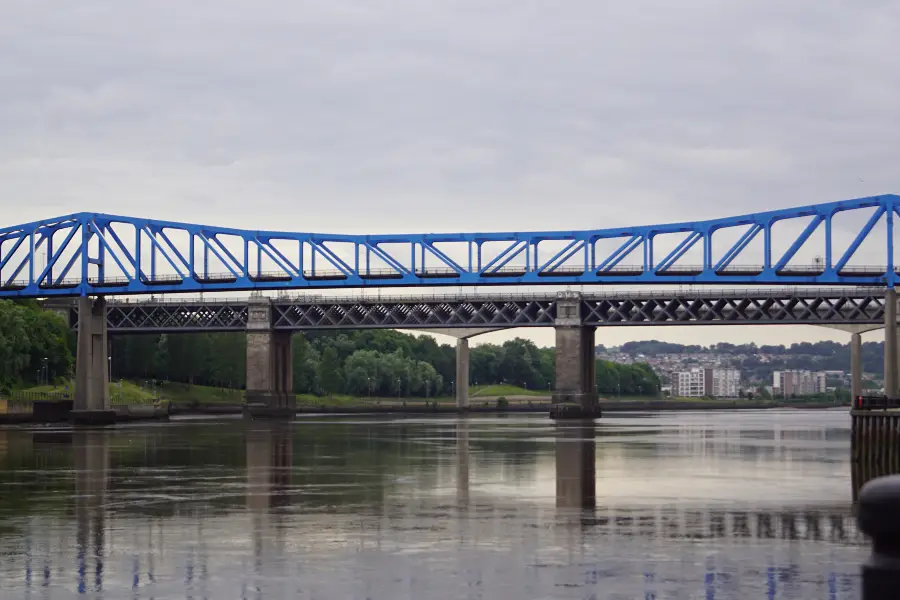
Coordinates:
<point>91,405</point>
<point>270,381</point>
<point>575,395</point>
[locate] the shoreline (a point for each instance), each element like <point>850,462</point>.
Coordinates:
<point>213,410</point>
<point>612,407</point>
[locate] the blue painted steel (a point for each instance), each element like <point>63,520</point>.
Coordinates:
<point>99,254</point>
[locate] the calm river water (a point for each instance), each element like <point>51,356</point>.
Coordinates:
<point>710,505</point>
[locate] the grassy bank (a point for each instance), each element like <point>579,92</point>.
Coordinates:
<point>494,391</point>
<point>480,397</point>
<point>129,392</point>
<point>125,392</point>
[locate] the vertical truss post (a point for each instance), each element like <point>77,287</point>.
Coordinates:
<point>50,260</point>
<point>101,256</point>
<point>889,228</point>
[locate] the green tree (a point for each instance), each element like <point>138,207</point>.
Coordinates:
<point>305,366</point>
<point>330,372</point>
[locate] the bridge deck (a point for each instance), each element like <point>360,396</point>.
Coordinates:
<point>656,307</point>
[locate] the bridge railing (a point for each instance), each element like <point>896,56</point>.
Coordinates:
<point>779,292</point>
<point>876,403</point>
<point>444,274</point>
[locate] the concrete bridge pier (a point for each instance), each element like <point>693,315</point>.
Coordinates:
<point>462,336</point>
<point>270,382</point>
<point>890,343</point>
<point>91,405</point>
<point>462,373</point>
<point>856,366</point>
<point>575,395</point>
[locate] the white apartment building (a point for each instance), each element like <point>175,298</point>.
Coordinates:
<point>726,383</point>
<point>716,383</point>
<point>798,383</point>
<point>690,384</point>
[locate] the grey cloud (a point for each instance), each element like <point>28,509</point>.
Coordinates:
<point>470,101</point>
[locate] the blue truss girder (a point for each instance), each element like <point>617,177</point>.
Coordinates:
<point>100,254</point>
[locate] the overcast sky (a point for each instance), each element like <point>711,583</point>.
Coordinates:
<point>426,115</point>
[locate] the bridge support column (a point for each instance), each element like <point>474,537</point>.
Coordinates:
<point>462,374</point>
<point>270,382</point>
<point>890,343</point>
<point>855,367</point>
<point>91,406</point>
<point>575,393</point>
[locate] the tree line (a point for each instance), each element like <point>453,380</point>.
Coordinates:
<point>36,346</point>
<point>378,363</point>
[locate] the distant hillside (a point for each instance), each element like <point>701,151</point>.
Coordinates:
<point>823,356</point>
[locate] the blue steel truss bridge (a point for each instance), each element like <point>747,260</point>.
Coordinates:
<point>779,306</point>
<point>849,242</point>
<point>92,256</point>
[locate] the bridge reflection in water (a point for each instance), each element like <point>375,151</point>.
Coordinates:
<point>270,510</point>
<point>91,456</point>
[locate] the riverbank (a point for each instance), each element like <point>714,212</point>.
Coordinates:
<point>132,401</point>
<point>145,413</point>
<point>420,409</point>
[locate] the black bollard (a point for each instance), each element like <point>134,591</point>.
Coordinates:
<point>879,518</point>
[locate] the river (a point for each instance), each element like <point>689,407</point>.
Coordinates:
<point>714,505</point>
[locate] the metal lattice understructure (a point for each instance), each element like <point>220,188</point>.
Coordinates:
<point>723,307</point>
<point>98,254</point>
